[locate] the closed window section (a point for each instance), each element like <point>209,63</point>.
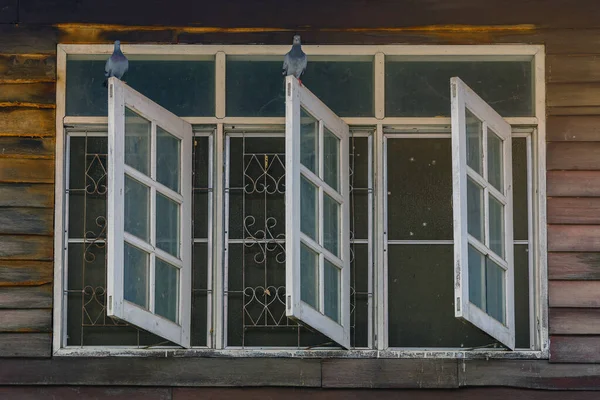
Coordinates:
<point>390,205</point>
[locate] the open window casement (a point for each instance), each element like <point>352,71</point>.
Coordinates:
<point>317,215</point>
<point>483,225</point>
<point>149,213</point>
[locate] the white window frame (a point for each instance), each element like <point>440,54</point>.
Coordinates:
<point>120,97</point>
<point>536,138</point>
<point>463,99</point>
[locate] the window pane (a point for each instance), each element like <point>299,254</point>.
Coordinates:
<point>495,161</point>
<point>474,142</point>
<point>308,208</point>
<point>137,209</point>
<point>167,289</point>
<point>309,276</point>
<point>332,291</point>
<point>167,225</point>
<point>136,275</point>
<point>495,291</point>
<point>476,278</point>
<point>496,226</point>
<point>309,133</point>
<point>475,210</point>
<point>168,155</point>
<point>331,227</point>
<point>137,142</point>
<point>331,159</point>
<point>186,88</point>
<point>422,88</point>
<point>519,170</point>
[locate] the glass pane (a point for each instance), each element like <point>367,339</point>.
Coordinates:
<point>309,132</point>
<point>332,291</point>
<point>475,210</point>
<point>186,88</point>
<point>137,209</point>
<point>331,159</point>
<point>309,276</point>
<point>519,172</point>
<point>495,160</point>
<point>522,296</point>
<point>495,291</point>
<point>422,88</point>
<point>167,225</point>
<point>137,141</point>
<point>167,290</point>
<point>474,142</point>
<point>136,275</point>
<point>476,277</point>
<point>496,226</point>
<point>331,226</point>
<point>168,154</point>
<point>309,212</point>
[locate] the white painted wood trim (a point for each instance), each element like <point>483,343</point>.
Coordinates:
<point>220,82</point>
<point>380,248</point>
<point>219,267</point>
<point>379,85</point>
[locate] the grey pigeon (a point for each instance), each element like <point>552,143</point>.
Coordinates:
<point>116,65</point>
<point>295,61</point>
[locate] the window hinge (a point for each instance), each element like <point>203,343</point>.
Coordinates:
<point>110,91</point>
<point>453,90</point>
<point>110,303</point>
<point>458,304</point>
<point>289,89</point>
<point>289,302</point>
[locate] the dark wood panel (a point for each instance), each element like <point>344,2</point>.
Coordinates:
<point>24,345</point>
<point>34,320</point>
<point>28,39</point>
<point>574,266</point>
<point>27,68</point>
<point>28,94</point>
<point>172,371</point>
<point>26,170</point>
<point>574,293</point>
<point>9,11</point>
<point>573,155</point>
<point>24,147</point>
<point>576,349</point>
<point>22,273</point>
<point>573,94</point>
<point>573,183</point>
<point>568,128</point>
<point>573,238</point>
<point>574,321</point>
<point>26,195</point>
<point>573,111</point>
<point>85,393</point>
<point>573,210</point>
<point>26,221</point>
<point>401,373</point>
<point>26,296</point>
<point>27,122</point>
<point>23,247</point>
<point>572,68</point>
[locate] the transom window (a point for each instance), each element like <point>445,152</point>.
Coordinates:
<point>390,203</point>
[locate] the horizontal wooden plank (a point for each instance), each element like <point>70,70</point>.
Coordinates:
<point>575,349</point>
<point>144,371</point>
<point>27,122</point>
<point>24,273</point>
<point>576,294</point>
<point>385,373</point>
<point>573,128</point>
<point>573,94</point>
<point>84,392</point>
<point>573,111</point>
<point>27,68</point>
<point>572,68</point>
<point>574,266</point>
<point>25,345</point>
<point>573,210</point>
<point>573,183</point>
<point>34,320</point>
<point>28,39</point>
<point>26,221</point>
<point>26,195</point>
<point>26,170</point>
<point>23,247</point>
<point>24,147</point>
<point>573,156</point>
<point>42,94</point>
<point>26,296</point>
<point>573,238</point>
<point>574,321</point>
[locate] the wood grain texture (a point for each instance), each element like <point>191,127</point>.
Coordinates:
<point>26,296</point>
<point>26,195</point>
<point>39,94</point>
<point>576,129</point>
<point>26,221</point>
<point>573,183</point>
<point>85,393</point>
<point>24,147</point>
<point>576,349</point>
<point>574,266</point>
<point>24,345</point>
<point>407,373</point>
<point>573,156</point>
<point>142,371</point>
<point>27,68</point>
<point>582,294</point>
<point>27,122</point>
<point>573,94</point>
<point>574,321</point>
<point>573,238</point>
<point>573,210</point>
<point>23,273</point>
<point>23,247</point>
<point>573,111</point>
<point>28,39</point>
<point>572,68</point>
<point>26,170</point>
<point>34,320</point>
